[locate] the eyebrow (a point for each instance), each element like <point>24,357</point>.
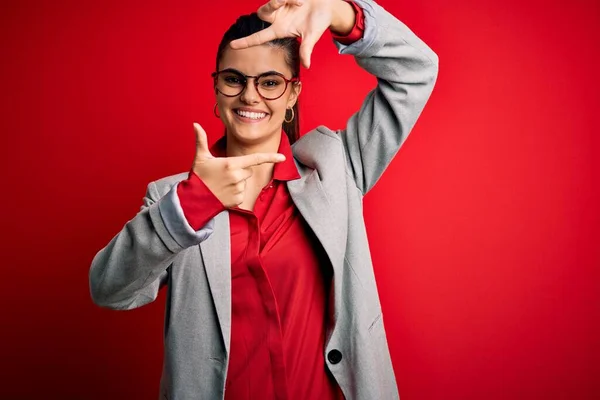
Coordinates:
<point>241,73</point>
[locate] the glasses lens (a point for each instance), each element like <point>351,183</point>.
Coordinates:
<point>271,86</point>
<point>230,83</point>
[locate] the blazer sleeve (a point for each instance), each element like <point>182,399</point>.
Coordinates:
<point>130,270</point>
<point>406,70</point>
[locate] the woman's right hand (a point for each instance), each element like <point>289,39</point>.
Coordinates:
<point>226,176</point>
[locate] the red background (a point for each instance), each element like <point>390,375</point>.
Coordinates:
<point>484,230</point>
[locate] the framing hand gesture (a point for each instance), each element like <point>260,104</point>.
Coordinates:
<point>226,176</point>
<point>306,19</point>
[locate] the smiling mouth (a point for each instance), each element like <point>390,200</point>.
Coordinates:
<point>255,116</point>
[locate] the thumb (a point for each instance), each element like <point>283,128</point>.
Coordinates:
<point>306,48</point>
<point>202,150</point>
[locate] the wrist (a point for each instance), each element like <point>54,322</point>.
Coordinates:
<point>343,18</point>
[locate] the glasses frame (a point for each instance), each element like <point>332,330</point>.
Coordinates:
<point>215,76</point>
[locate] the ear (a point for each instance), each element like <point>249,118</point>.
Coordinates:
<point>294,93</point>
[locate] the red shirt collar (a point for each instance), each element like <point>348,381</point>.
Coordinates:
<point>283,171</point>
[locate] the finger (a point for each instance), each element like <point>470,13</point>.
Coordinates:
<point>306,49</point>
<point>246,173</point>
<point>239,187</point>
<point>240,174</point>
<point>266,11</point>
<point>260,37</point>
<point>269,8</point>
<point>251,160</point>
<point>201,141</point>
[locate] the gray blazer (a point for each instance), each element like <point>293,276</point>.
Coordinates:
<point>158,247</point>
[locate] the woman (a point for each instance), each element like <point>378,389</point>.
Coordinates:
<point>262,245</point>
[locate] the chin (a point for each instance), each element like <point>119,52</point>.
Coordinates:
<point>252,134</point>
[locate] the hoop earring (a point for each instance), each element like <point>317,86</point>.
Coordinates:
<point>293,115</point>
<point>216,111</point>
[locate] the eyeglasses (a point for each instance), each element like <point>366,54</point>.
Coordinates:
<point>270,85</point>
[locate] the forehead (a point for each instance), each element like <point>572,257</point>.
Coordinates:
<point>255,60</point>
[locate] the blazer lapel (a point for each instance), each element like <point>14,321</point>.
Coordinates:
<point>216,255</point>
<point>316,208</point>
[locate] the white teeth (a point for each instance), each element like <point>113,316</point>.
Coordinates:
<point>251,115</point>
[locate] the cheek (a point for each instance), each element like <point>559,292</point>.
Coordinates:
<point>224,103</point>
<point>278,108</point>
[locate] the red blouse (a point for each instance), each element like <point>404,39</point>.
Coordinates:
<point>280,278</point>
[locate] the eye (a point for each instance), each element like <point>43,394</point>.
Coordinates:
<point>232,79</point>
<point>270,82</point>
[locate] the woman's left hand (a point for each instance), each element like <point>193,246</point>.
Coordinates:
<point>307,19</point>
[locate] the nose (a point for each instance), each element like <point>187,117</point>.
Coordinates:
<point>250,95</point>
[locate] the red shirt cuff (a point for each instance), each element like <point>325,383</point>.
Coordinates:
<point>357,31</point>
<point>199,204</point>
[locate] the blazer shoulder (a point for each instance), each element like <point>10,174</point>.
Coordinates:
<point>163,185</point>
<point>315,142</point>
<point>320,148</point>
<point>321,133</point>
